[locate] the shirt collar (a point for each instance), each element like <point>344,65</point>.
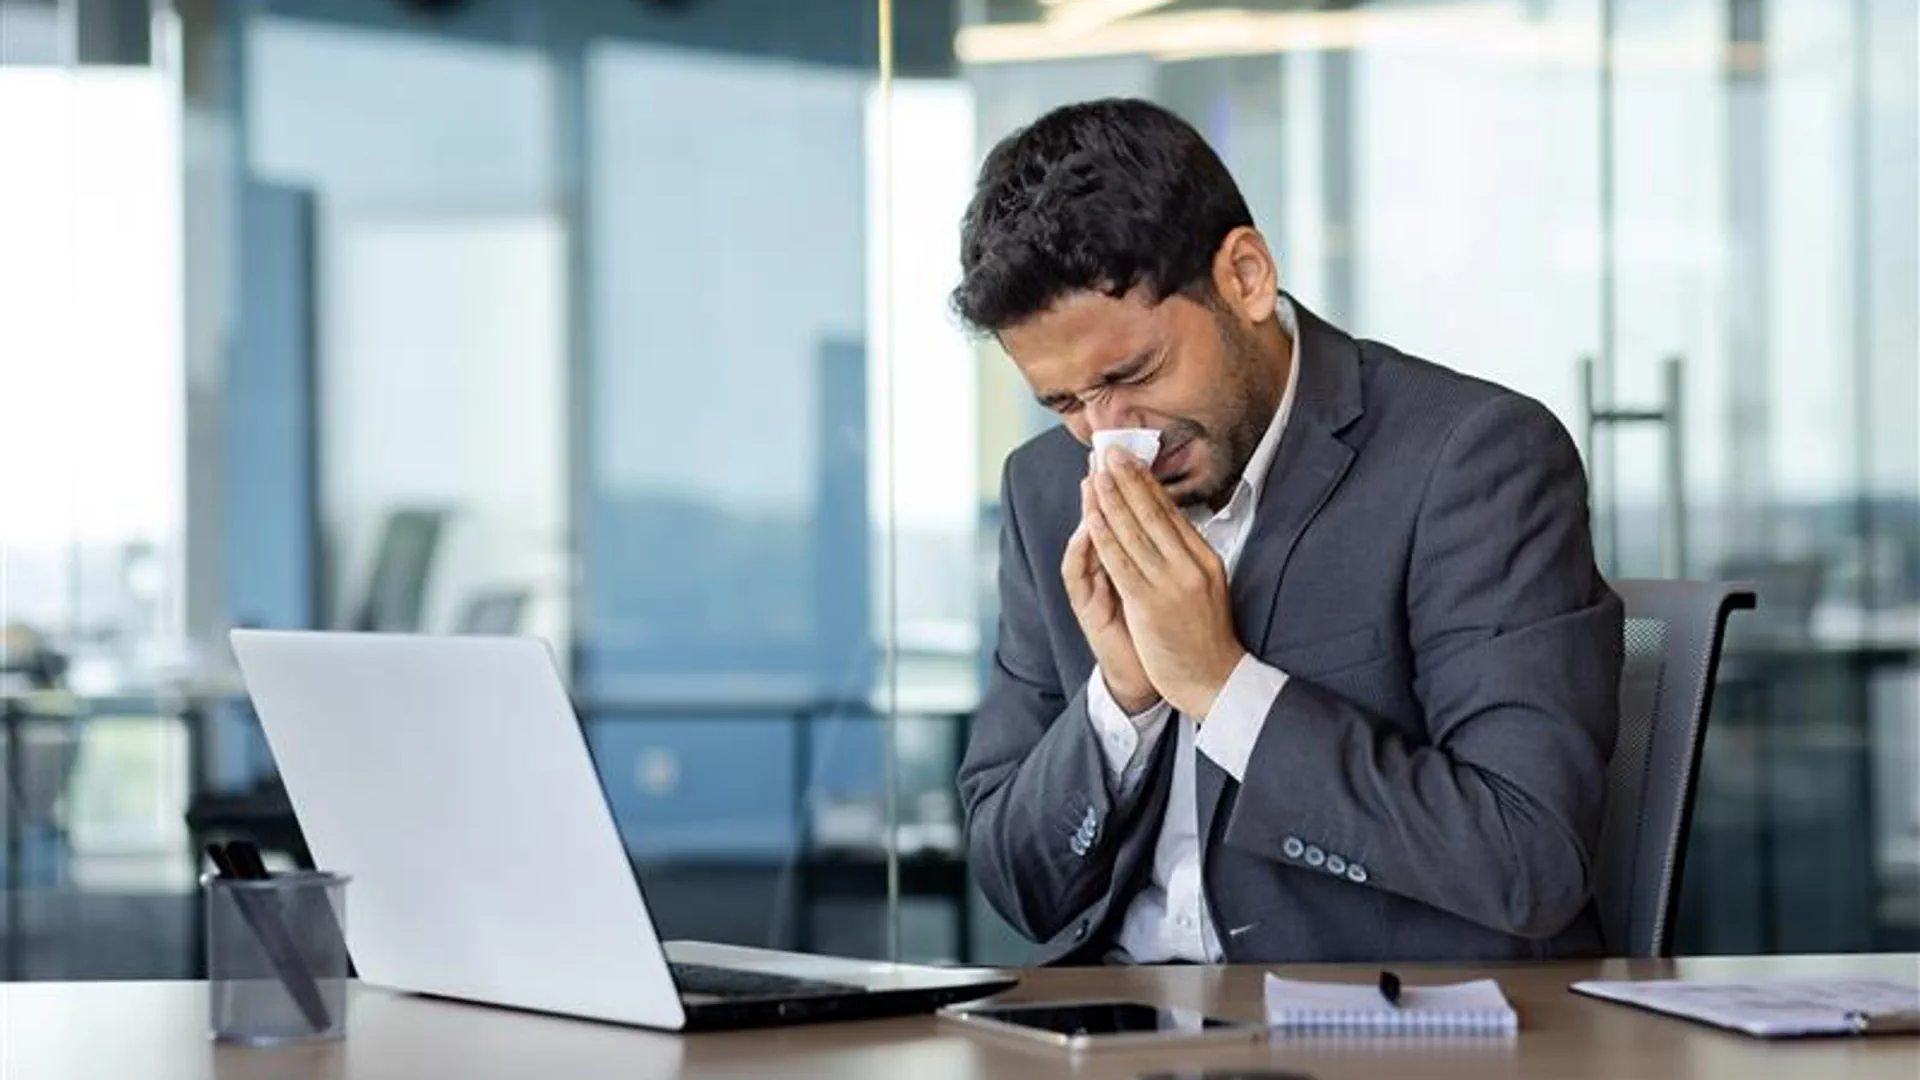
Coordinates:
<point>1253,479</point>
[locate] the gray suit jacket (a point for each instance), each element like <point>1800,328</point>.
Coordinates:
<point>1428,785</point>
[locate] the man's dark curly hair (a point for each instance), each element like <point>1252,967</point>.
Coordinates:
<point>1108,195</point>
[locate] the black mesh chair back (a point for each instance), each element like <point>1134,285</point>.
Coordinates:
<point>1673,634</point>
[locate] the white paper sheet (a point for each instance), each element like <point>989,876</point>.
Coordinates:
<point>1784,1007</point>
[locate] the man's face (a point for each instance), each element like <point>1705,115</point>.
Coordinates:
<point>1185,368</point>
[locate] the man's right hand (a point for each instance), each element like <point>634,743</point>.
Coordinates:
<point>1096,604</point>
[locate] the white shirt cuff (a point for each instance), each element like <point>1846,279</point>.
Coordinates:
<point>1239,714</point>
<point>1125,740</point>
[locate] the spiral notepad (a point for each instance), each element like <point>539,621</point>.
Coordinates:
<point>1312,1008</point>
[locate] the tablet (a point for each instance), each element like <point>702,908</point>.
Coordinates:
<point>1096,1025</point>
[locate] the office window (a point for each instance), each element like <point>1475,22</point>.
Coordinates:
<point>92,390</point>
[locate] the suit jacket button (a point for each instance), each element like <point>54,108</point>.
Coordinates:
<point>1080,931</point>
<point>1291,847</point>
<point>1336,865</point>
<point>1356,873</point>
<point>1315,857</point>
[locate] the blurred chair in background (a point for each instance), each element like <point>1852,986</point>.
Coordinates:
<point>1791,588</point>
<point>494,611</point>
<point>39,723</point>
<point>395,597</point>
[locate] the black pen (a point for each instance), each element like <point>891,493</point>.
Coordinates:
<point>1390,988</point>
<point>247,864</point>
<point>240,861</point>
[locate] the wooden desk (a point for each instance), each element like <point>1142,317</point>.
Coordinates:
<point>113,1030</point>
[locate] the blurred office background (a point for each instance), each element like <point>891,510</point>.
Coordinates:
<point>622,322</point>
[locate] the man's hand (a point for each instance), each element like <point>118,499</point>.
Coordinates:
<point>1097,608</point>
<point>1172,587</point>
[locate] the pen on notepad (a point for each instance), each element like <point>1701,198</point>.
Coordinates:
<point>1390,988</point>
<point>1900,1023</point>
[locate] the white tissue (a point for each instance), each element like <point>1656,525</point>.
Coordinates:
<point>1142,443</point>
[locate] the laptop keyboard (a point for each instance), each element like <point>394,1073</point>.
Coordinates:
<point>736,983</point>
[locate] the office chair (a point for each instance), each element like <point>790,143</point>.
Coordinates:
<point>396,590</point>
<point>1793,587</point>
<point>494,611</point>
<point>1673,634</point>
<point>39,719</point>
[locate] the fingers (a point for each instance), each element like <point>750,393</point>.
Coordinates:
<point>1121,569</point>
<point>1103,599</point>
<point>1089,590</point>
<point>1077,566</point>
<point>1134,493</point>
<point>1181,531</point>
<point>1183,527</point>
<point>1123,526</point>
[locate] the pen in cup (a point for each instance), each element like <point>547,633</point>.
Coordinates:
<point>241,862</point>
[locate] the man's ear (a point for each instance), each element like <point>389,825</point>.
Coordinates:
<point>1245,277</point>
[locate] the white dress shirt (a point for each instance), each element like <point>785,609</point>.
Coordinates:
<point>1168,919</point>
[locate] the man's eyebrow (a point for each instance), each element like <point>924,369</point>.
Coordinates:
<point>1120,372</point>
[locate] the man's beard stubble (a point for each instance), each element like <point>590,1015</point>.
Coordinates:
<point>1252,407</point>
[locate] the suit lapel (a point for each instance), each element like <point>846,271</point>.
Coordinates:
<point>1307,466</point>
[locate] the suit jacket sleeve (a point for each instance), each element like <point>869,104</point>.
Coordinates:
<point>1043,816</point>
<point>1496,815</point>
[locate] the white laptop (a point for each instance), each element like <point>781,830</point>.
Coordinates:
<point>449,777</point>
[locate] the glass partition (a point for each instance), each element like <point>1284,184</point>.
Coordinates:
<point>540,318</point>
<point>93,769</point>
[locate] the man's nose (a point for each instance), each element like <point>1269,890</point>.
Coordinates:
<point>1112,413</point>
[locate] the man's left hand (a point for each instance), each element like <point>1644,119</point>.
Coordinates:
<point>1172,586</point>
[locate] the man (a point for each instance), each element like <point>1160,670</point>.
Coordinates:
<point>1335,678</point>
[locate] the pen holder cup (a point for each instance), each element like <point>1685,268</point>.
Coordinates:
<point>277,958</point>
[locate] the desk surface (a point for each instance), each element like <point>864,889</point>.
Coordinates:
<point>73,1031</point>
